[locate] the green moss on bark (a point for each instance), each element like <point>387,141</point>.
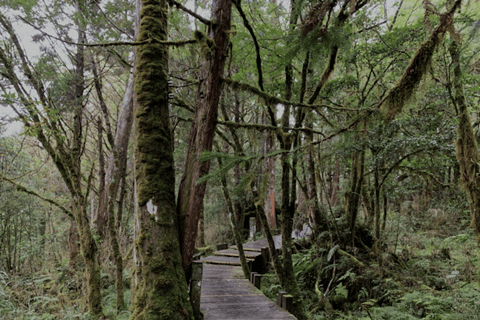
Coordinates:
<point>403,91</point>
<point>160,286</point>
<point>207,45</point>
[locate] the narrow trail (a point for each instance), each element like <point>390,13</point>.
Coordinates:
<point>226,294</point>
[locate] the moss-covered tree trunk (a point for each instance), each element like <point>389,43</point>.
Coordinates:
<point>201,231</point>
<point>88,244</point>
<point>73,240</point>
<point>368,203</point>
<point>160,287</point>
<point>88,247</point>
<point>352,196</point>
<point>117,170</point>
<point>318,216</point>
<point>335,184</point>
<point>191,194</point>
<point>288,201</point>
<point>466,145</point>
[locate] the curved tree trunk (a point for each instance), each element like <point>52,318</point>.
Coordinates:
<point>191,194</point>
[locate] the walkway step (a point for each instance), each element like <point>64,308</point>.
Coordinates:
<point>224,260</point>
<point>235,253</point>
<point>227,295</point>
<point>258,245</point>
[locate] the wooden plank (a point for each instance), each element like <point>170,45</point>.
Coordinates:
<point>258,245</point>
<point>226,294</point>
<point>223,260</point>
<point>235,253</point>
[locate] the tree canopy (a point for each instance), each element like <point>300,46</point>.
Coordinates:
<point>156,129</point>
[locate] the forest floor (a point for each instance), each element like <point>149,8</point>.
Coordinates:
<point>428,269</point>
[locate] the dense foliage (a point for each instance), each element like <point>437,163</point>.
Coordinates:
<point>361,115</point>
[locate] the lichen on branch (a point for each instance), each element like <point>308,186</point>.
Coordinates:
<point>405,88</point>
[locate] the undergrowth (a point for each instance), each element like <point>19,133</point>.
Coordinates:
<point>427,269</point>
<point>54,295</point>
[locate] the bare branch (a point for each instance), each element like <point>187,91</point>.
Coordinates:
<point>115,43</point>
<point>24,189</point>
<point>247,25</point>
<point>190,12</point>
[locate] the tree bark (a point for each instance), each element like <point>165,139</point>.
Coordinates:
<point>466,145</point>
<point>269,202</point>
<point>160,287</point>
<point>116,174</point>
<point>100,220</point>
<point>316,213</point>
<point>73,247</point>
<point>191,194</point>
<point>352,196</point>
<point>234,225</point>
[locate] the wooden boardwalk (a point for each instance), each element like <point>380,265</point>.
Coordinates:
<point>226,294</point>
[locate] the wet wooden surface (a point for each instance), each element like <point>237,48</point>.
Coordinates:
<point>258,245</point>
<point>234,253</point>
<point>226,294</point>
<point>234,261</point>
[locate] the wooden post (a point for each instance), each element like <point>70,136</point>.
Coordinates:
<point>250,264</point>
<point>222,246</point>
<point>253,227</point>
<point>252,276</point>
<point>196,288</point>
<point>257,280</point>
<point>287,302</point>
<point>280,298</point>
<point>265,259</point>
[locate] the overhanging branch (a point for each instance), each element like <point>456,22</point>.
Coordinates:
<point>262,127</point>
<point>190,12</point>
<point>114,43</point>
<point>24,189</point>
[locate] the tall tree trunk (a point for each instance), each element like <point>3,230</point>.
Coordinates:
<point>466,145</point>
<point>100,221</point>
<point>191,194</point>
<point>160,287</point>
<point>110,179</point>
<point>376,209</point>
<point>88,245</point>
<point>115,175</point>
<point>287,206</point>
<point>234,225</point>
<point>316,215</point>
<point>239,203</point>
<point>201,231</point>
<point>335,184</point>
<point>73,247</point>
<point>269,202</point>
<point>352,196</point>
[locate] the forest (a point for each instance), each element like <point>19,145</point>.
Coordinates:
<point>153,130</point>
